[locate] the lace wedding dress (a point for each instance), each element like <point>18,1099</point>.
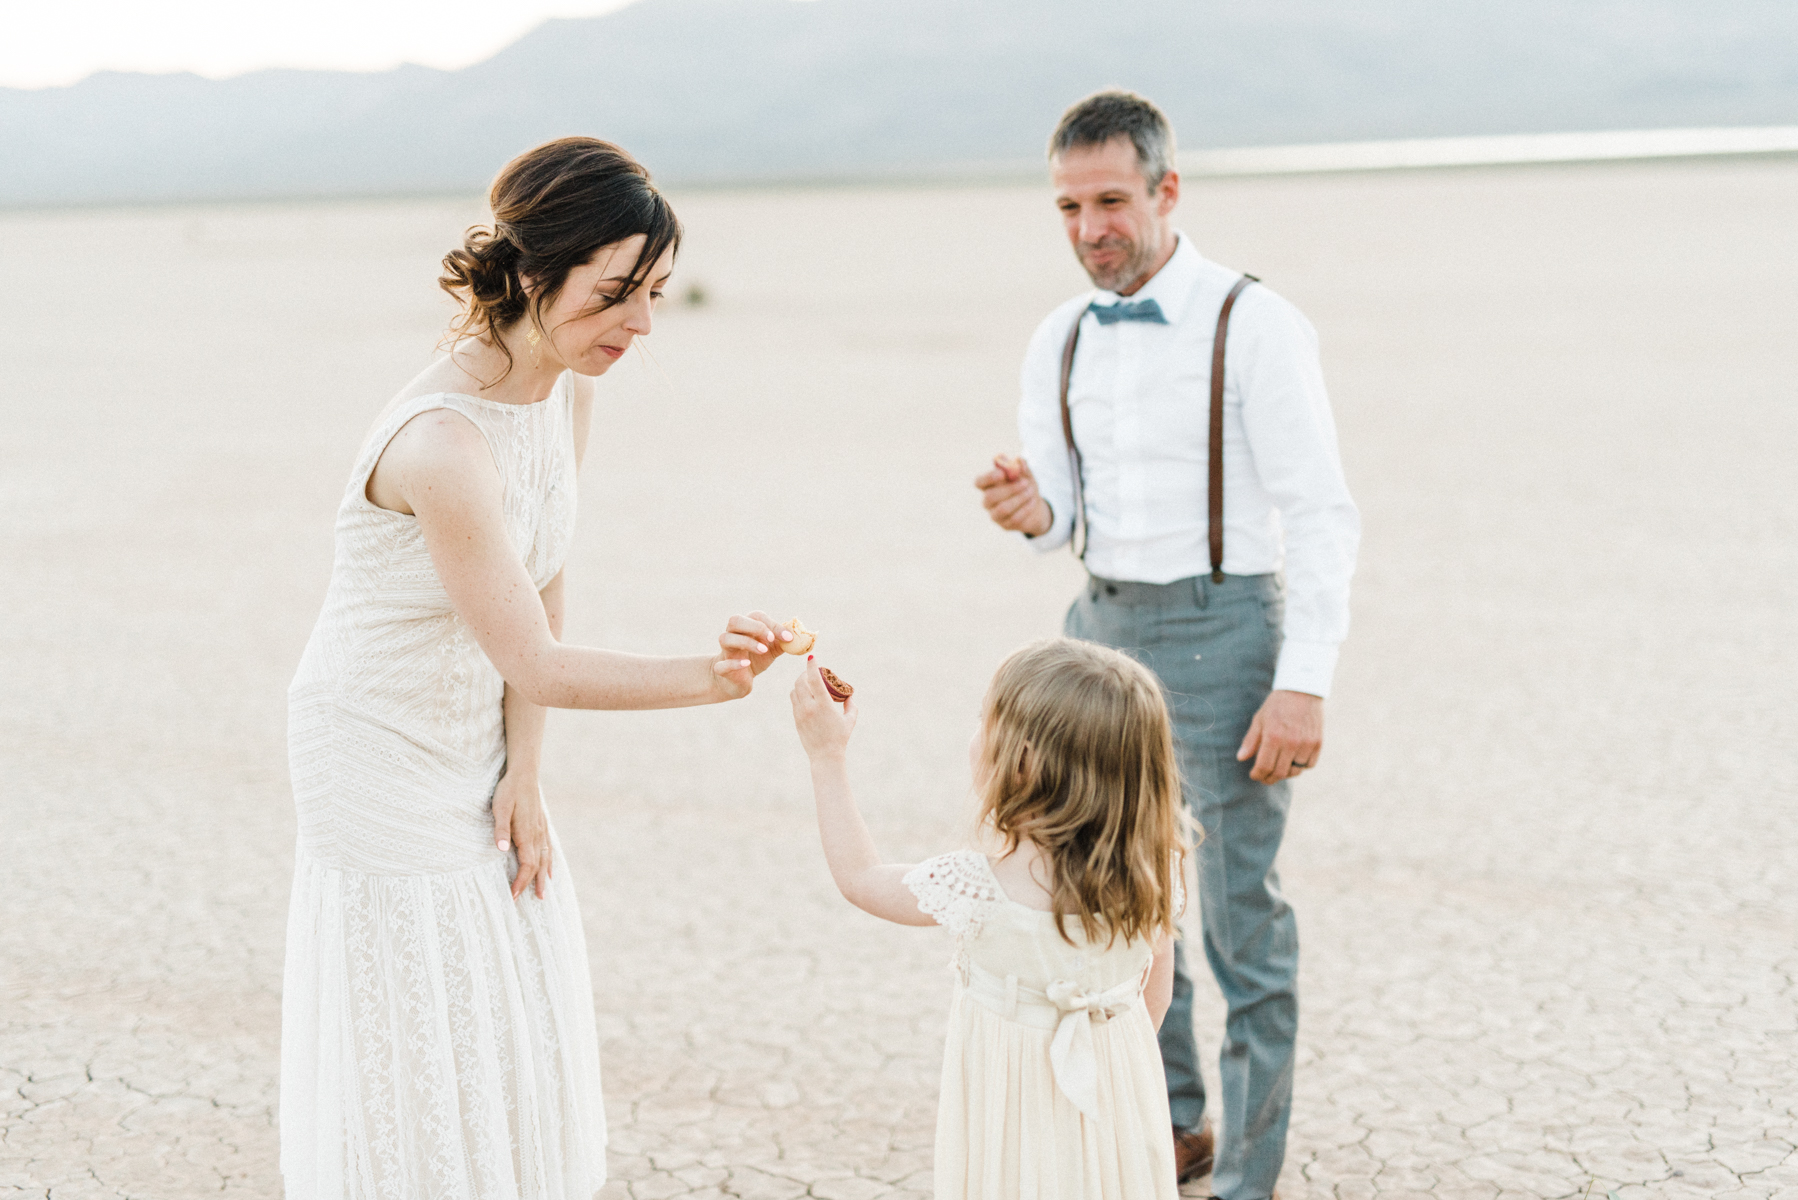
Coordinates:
<point>437,1037</point>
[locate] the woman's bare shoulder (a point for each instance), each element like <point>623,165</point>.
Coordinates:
<point>438,437</point>
<point>435,455</point>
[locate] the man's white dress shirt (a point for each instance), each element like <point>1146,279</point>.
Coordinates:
<point>1140,400</point>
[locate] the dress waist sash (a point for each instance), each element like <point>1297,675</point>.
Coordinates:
<point>1064,1008</point>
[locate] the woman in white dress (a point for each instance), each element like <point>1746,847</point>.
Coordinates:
<point>438,1035</point>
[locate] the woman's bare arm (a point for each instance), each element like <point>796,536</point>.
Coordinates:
<point>525,721</point>
<point>518,816</point>
<point>439,467</point>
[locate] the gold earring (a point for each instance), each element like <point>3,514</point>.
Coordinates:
<point>535,341</point>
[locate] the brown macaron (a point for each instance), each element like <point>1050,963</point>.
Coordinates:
<point>839,691</point>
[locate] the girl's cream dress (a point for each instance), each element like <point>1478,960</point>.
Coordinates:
<point>1052,1080</point>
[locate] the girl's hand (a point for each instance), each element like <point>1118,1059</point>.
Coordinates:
<point>519,821</point>
<point>824,726</point>
<point>746,648</point>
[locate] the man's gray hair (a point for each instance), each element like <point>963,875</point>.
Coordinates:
<point>1114,112</point>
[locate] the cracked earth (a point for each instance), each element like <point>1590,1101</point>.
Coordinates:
<point>1544,877</point>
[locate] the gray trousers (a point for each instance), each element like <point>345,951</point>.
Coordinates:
<point>1213,645</point>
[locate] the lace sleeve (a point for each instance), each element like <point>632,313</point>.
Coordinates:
<point>955,888</point>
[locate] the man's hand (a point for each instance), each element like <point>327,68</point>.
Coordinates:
<point>1285,737</point>
<point>1011,499</point>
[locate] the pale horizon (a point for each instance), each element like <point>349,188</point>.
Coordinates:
<point>56,46</point>
<point>740,90</point>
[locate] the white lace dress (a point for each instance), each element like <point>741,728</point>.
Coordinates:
<point>437,1038</point>
<point>1052,1081</point>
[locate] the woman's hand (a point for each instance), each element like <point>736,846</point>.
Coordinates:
<point>824,726</point>
<point>747,647</point>
<point>519,821</point>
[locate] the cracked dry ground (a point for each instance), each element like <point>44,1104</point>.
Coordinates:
<point>1544,877</point>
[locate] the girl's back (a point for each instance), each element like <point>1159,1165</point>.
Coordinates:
<point>1052,1082</point>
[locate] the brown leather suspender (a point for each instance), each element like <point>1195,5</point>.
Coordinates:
<point>1076,539</point>
<point>1215,447</point>
<point>1214,509</point>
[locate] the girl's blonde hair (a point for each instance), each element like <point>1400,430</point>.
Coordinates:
<point>1078,758</point>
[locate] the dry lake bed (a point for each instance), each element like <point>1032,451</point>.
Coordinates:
<point>1546,877</point>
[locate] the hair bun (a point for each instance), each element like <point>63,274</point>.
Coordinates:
<point>485,268</point>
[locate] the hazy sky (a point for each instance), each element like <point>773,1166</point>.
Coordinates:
<point>51,42</point>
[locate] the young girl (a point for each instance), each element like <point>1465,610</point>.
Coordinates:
<point>1052,1081</point>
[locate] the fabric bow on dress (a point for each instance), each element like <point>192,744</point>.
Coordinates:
<point>1071,1054</point>
<point>1066,1010</point>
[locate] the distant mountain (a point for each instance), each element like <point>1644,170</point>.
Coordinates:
<point>767,89</point>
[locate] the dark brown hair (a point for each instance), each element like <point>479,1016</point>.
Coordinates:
<point>554,208</point>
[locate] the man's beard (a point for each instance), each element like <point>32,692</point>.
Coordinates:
<point>1139,259</point>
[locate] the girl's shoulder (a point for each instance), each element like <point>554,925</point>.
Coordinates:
<point>957,889</point>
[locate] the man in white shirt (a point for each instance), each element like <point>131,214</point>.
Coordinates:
<point>1246,658</point>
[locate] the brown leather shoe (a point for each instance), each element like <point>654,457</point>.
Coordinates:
<point>1194,1152</point>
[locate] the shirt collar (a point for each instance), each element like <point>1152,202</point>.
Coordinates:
<point>1169,287</point>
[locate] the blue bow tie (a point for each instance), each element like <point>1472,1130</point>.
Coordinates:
<point>1129,310</point>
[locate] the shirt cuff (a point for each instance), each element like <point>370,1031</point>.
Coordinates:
<point>1054,538</point>
<point>1305,667</point>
